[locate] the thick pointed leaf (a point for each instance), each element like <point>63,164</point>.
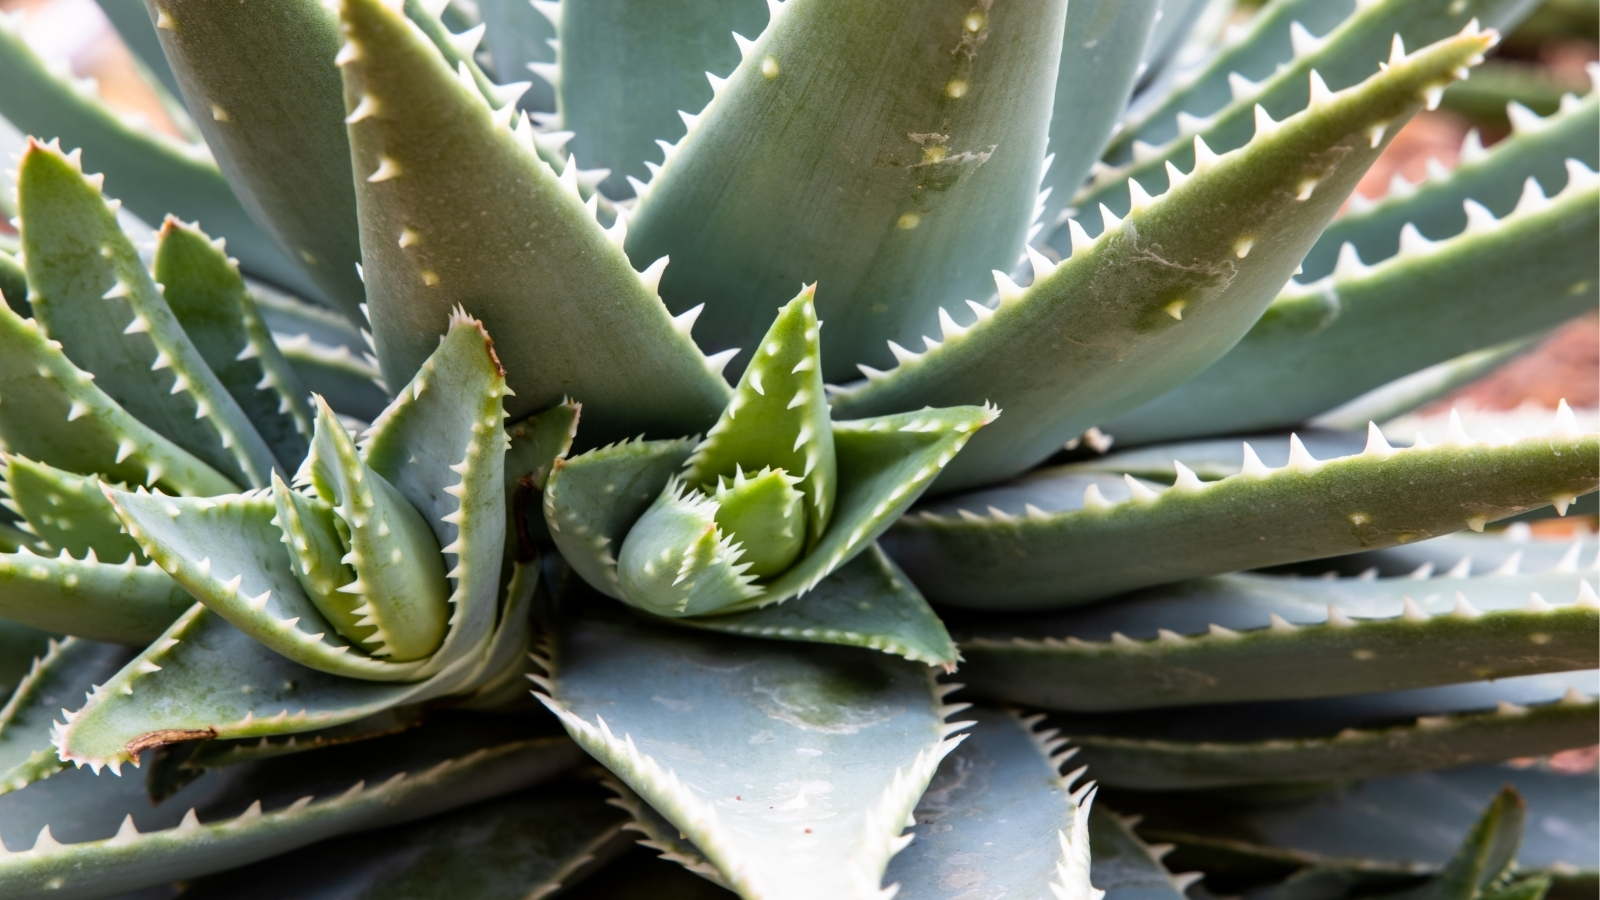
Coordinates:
<point>91,292</point>
<point>1463,554</point>
<point>227,552</point>
<point>125,604</point>
<point>27,722</point>
<point>627,68</point>
<point>937,185</point>
<point>104,837</point>
<point>207,296</point>
<point>1484,857</point>
<point>54,412</point>
<point>1100,64</point>
<point>868,602</point>
<point>761,732</point>
<point>1263,43</point>
<point>999,818</point>
<point>1060,537</point>
<point>269,102</point>
<point>571,315</point>
<point>519,34</point>
<point>1347,54</point>
<point>1126,867</point>
<point>1156,299</point>
<point>1537,148</point>
<point>65,511</point>
<point>168,693</point>
<point>1255,637</point>
<point>1357,737</point>
<point>152,173</point>
<point>590,502</point>
<point>441,443</point>
<point>1429,303</point>
<point>529,844</point>
<point>1384,831</point>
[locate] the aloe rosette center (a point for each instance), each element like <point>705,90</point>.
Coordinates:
<point>776,496</point>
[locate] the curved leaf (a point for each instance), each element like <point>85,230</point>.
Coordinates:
<point>1355,737</point>
<point>937,185</point>
<point>1060,537</point>
<point>424,135</point>
<point>1253,637</point>
<point>251,812</point>
<point>1431,302</point>
<point>522,846</point>
<point>625,69</point>
<point>867,602</point>
<point>761,732</point>
<point>268,100</point>
<point>998,817</point>
<point>1157,298</point>
<point>124,604</point>
<point>202,286</point>
<point>155,175</point>
<point>91,291</point>
<point>27,722</point>
<point>65,511</point>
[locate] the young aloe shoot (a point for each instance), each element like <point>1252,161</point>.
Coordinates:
<point>756,493</point>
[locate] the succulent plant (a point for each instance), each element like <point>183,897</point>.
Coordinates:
<point>358,542</point>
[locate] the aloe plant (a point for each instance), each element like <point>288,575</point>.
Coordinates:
<point>471,463</point>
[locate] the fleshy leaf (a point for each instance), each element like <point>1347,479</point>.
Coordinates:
<point>591,500</point>
<point>785,421</point>
<point>1485,856</point>
<point>207,296</point>
<point>1193,268</point>
<point>625,69</point>
<point>19,646</point>
<point>1494,179</point>
<point>91,291</point>
<point>1383,831</point>
<point>1264,43</point>
<point>65,511</point>
<point>127,603</point>
<point>1464,554</point>
<point>400,574</point>
<point>759,730</point>
<point>441,443</point>
<point>937,186</point>
<point>315,544</point>
<point>1256,637</point>
<point>1100,64</point>
<point>1358,737</point>
<point>678,561</point>
<point>54,412</point>
<point>227,552</point>
<point>998,816</point>
<point>1060,537</point>
<point>1431,302</point>
<point>27,721</point>
<point>1126,867</point>
<point>268,100</point>
<point>238,816</point>
<point>168,693</point>
<point>526,845</point>
<point>153,174</point>
<point>867,602</point>
<point>1347,54</point>
<point>625,358</point>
